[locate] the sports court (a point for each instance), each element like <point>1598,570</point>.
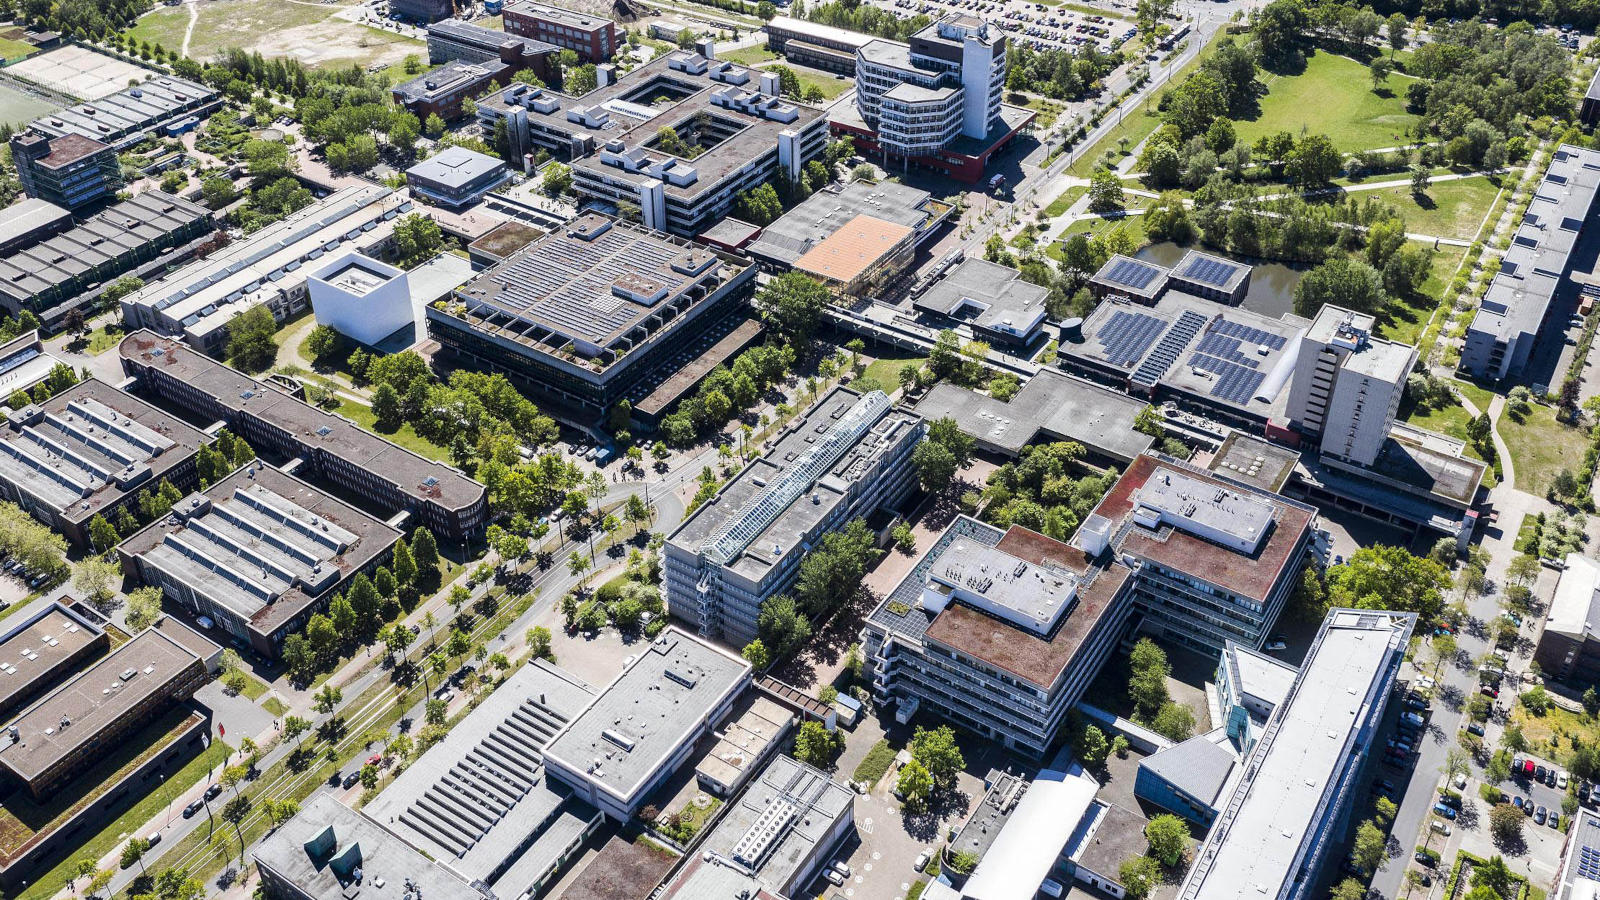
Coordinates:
<point>81,72</point>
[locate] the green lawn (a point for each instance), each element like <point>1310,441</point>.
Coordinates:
<point>405,435</point>
<point>1059,206</point>
<point>1451,420</point>
<point>13,50</point>
<point>1481,397</point>
<point>750,56</point>
<point>1451,209</point>
<point>275,706</point>
<point>875,764</point>
<point>1048,110</point>
<point>1333,96</point>
<point>1405,318</point>
<point>310,32</point>
<point>1134,225</point>
<point>1540,447</point>
<point>885,370</point>
<point>830,85</point>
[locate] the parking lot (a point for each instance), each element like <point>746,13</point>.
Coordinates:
<point>1042,26</point>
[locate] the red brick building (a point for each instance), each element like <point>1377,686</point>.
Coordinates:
<point>594,39</point>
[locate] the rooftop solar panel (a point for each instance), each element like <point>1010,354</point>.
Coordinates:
<point>1234,383</point>
<point>1209,270</point>
<point>1172,344</point>
<point>1133,274</point>
<point>1127,335</point>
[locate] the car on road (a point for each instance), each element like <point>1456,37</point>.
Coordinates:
<point>192,808</point>
<point>375,759</point>
<point>1439,809</point>
<point>213,791</point>
<point>922,860</point>
<point>350,780</point>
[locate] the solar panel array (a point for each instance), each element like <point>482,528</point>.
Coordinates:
<point>1250,335</point>
<point>1166,353</point>
<point>1132,273</point>
<point>1589,863</point>
<point>1235,383</point>
<point>1209,270</point>
<point>1127,335</point>
<point>480,790</point>
<point>569,289</point>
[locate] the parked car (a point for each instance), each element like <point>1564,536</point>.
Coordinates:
<point>350,780</point>
<point>1475,728</point>
<point>1554,820</point>
<point>1538,773</point>
<point>1516,802</point>
<point>1277,642</point>
<point>1460,782</point>
<point>842,867</point>
<point>1561,781</point>
<point>1451,800</point>
<point>1412,719</point>
<point>922,860</point>
<point>834,878</point>
<point>1441,827</point>
<point>192,808</point>
<point>1439,809</point>
<point>1490,691</point>
<point>1539,816</point>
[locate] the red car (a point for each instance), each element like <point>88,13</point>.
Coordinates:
<point>1489,691</point>
<point>375,759</point>
<point>1528,767</point>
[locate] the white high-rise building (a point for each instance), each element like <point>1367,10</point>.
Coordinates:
<point>944,85</point>
<point>1347,385</point>
<point>361,298</point>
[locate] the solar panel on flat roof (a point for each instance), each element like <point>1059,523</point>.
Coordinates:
<point>1166,353</point>
<point>1589,863</point>
<point>1250,335</point>
<point>1234,383</point>
<point>1209,270</point>
<point>1127,335</point>
<point>1132,273</point>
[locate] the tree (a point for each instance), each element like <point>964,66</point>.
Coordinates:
<point>322,342</point>
<point>327,700</point>
<point>252,345</point>
<point>1315,161</point>
<point>1139,876</point>
<point>424,552</point>
<point>97,577</point>
<point>915,786</point>
<point>1175,721</point>
<point>1371,846</point>
<point>557,179</point>
<point>294,727</point>
<point>1505,823</point>
<point>1397,32</point>
<point>1092,747</point>
<point>217,191</point>
<point>792,305</point>
<point>935,465</point>
<point>816,745</point>
<point>1340,281</point>
<point>1105,191</point>
<point>1495,875</point>
<point>1168,837</point>
<point>937,751</point>
<point>1385,577</point>
<point>755,653</point>
<point>759,205</point>
<point>1379,70</point>
<point>433,126</point>
<point>102,534</point>
<point>1385,809</point>
<point>417,237</point>
<point>1350,888</point>
<point>133,852</point>
<point>1147,686</point>
<point>782,627</point>
<point>386,407</point>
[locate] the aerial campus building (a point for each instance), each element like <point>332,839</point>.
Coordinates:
<point>71,170</point>
<point>1296,790</point>
<point>456,177</point>
<point>991,300</point>
<point>454,39</point>
<point>266,268</point>
<point>643,726</point>
<point>592,314</point>
<point>593,38</point>
<point>848,458</point>
<point>1051,406</point>
<point>1347,385</point>
<point>772,840</point>
<point>1534,275</point>
<point>1569,643</point>
<point>58,642</point>
<point>162,105</point>
<point>52,271</point>
<point>816,45</point>
<point>257,553</point>
<point>89,451</point>
<point>934,102</point>
<point>851,237</point>
<point>999,631</point>
<point>362,466</point>
<point>1578,877</point>
<point>360,297</point>
<point>29,221</point>
<point>734,132</point>
<point>442,90</point>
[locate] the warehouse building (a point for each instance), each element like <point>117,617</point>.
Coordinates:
<point>734,132</point>
<point>359,464</point>
<point>998,631</point>
<point>645,724</point>
<point>266,268</point>
<point>48,273</point>
<point>71,170</point>
<point>157,106</point>
<point>848,458</point>
<point>257,553</point>
<point>89,451</point>
<point>590,314</point>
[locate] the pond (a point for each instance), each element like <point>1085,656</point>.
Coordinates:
<point>1271,283</point>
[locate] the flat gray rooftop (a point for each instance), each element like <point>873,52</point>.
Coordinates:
<point>478,796</point>
<point>233,390</point>
<point>321,847</point>
<point>26,217</point>
<point>1050,406</point>
<point>766,836</point>
<point>112,234</point>
<point>636,722</point>
<point>1254,461</point>
<point>129,110</point>
<point>1255,845</point>
<point>33,649</point>
<point>827,211</point>
<point>985,823</point>
<point>1205,509</point>
<point>755,518</point>
<point>262,544</point>
<point>455,167</point>
<point>991,296</point>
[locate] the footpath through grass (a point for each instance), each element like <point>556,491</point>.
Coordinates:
<point>1540,447</point>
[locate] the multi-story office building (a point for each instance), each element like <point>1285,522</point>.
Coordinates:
<point>1347,385</point>
<point>846,459</point>
<point>258,553</point>
<point>456,177</point>
<point>1533,277</point>
<point>454,39</point>
<point>362,466</point>
<point>934,102</point>
<point>88,451</point>
<point>997,631</point>
<point>1298,790</point>
<point>733,132</point>
<point>71,170</point>
<point>1569,643</point>
<point>57,272</point>
<point>591,314</point>
<point>267,268</point>
<point>645,724</point>
<point>57,641</point>
<point>164,104</point>
<point>594,39</point>
<point>422,11</point>
<point>69,729</point>
<point>770,842</point>
<point>442,90</point>
<point>814,44</point>
<point>1214,559</point>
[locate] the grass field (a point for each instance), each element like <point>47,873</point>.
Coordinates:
<point>1540,447</point>
<point>1059,206</point>
<point>875,764</point>
<point>12,49</point>
<point>1333,96</point>
<point>108,837</point>
<point>750,56</point>
<point>1404,319</point>
<point>1133,225</point>
<point>1452,209</point>
<point>1481,397</point>
<point>405,435</point>
<point>1451,420</point>
<point>314,34</point>
<point>17,108</point>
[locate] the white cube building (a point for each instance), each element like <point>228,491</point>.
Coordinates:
<point>360,297</point>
